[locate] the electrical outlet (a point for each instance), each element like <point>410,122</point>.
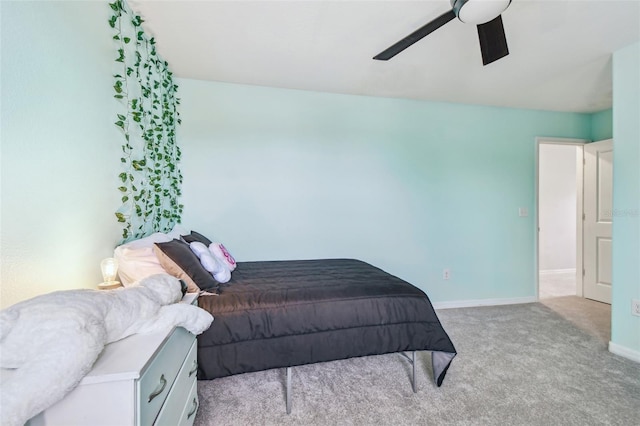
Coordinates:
<point>635,307</point>
<point>446,274</point>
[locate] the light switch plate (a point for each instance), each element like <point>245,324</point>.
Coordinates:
<point>523,212</point>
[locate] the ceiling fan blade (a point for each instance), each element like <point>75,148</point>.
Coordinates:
<point>493,42</point>
<point>415,36</point>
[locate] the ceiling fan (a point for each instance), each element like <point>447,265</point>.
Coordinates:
<point>484,13</point>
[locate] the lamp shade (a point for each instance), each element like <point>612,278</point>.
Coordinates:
<point>109,267</point>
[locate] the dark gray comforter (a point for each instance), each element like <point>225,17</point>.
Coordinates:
<point>287,313</point>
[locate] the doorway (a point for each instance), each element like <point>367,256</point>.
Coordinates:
<point>561,166</point>
<point>559,207</point>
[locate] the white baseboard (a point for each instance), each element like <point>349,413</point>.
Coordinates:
<point>484,302</point>
<point>557,271</point>
<point>625,352</point>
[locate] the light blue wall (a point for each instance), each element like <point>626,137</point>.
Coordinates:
<point>625,329</point>
<point>60,149</point>
<point>602,125</point>
<point>413,187</point>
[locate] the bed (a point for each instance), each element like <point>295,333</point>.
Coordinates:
<point>279,314</point>
<point>282,314</point>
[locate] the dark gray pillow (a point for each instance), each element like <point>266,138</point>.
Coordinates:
<point>178,260</point>
<point>196,236</point>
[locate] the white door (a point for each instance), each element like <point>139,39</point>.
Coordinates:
<point>598,213</point>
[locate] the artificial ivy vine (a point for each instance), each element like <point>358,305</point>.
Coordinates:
<point>150,181</point>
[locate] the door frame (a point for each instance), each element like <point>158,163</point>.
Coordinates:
<point>579,143</point>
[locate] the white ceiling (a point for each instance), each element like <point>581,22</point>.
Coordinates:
<point>560,50</point>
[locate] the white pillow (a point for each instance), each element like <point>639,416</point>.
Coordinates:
<point>177,231</point>
<point>209,262</point>
<point>223,255</point>
<point>137,259</point>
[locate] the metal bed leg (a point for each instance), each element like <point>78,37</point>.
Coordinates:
<point>288,390</point>
<point>414,383</point>
<point>414,378</point>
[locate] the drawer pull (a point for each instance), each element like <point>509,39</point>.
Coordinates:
<point>194,409</point>
<point>195,368</point>
<point>159,389</point>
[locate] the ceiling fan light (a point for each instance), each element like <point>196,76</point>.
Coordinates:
<point>479,11</point>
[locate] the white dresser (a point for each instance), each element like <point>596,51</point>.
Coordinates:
<point>142,380</point>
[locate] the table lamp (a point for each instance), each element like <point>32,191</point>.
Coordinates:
<point>109,268</point>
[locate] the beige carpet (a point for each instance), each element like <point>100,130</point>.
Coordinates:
<point>590,316</point>
<point>532,364</point>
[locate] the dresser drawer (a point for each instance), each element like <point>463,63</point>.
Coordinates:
<point>179,393</point>
<point>157,380</point>
<point>191,407</point>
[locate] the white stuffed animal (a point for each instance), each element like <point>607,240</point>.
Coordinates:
<point>49,343</point>
<point>214,266</point>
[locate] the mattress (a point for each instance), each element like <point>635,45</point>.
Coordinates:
<point>286,313</point>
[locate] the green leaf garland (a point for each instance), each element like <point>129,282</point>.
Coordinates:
<point>150,181</point>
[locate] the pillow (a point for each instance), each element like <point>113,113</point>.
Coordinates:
<point>196,236</point>
<point>223,255</point>
<point>210,263</point>
<point>178,260</point>
<point>137,259</point>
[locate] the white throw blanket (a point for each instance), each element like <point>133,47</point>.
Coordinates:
<point>49,343</point>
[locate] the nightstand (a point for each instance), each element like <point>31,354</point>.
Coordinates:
<point>142,380</point>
